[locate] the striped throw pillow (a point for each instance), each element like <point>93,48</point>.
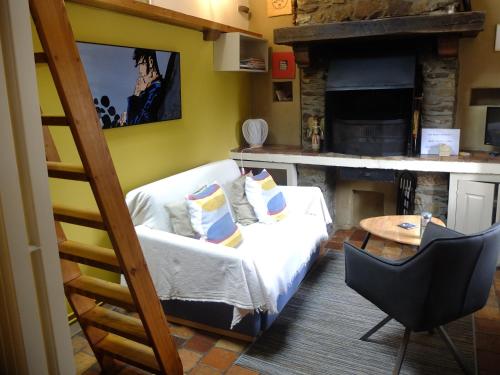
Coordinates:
<point>211,217</point>
<point>265,197</point>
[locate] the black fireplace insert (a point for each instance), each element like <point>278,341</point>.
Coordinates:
<point>369,104</point>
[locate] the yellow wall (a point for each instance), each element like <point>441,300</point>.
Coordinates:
<point>479,67</point>
<point>214,105</point>
<point>283,117</point>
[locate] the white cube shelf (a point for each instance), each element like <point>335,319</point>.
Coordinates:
<point>231,48</point>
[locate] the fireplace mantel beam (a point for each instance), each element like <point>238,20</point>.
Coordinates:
<point>444,26</point>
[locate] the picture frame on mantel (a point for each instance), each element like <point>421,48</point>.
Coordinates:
<point>434,140</point>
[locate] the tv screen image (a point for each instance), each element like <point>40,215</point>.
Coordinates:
<point>492,131</point>
<point>132,86</point>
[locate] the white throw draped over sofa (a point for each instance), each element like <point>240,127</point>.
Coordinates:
<point>240,289</point>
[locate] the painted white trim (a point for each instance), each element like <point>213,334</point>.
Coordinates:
<point>30,261</point>
<point>453,191</point>
<point>336,160</point>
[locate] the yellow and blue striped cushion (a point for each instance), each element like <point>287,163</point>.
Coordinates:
<point>211,217</point>
<point>265,197</point>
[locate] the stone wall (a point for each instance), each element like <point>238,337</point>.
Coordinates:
<point>312,92</point>
<point>322,177</point>
<point>324,11</point>
<point>432,194</point>
<point>440,85</point>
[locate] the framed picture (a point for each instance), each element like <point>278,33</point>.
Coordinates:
<point>279,7</point>
<point>132,86</point>
<point>283,65</point>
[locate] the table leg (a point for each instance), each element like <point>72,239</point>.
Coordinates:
<point>365,241</point>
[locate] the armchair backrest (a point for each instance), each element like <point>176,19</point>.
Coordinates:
<point>460,274</point>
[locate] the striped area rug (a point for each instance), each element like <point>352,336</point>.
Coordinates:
<point>318,331</point>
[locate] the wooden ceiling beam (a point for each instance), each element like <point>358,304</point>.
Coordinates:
<point>159,14</point>
<point>462,24</point>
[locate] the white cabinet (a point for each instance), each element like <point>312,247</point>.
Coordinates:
<point>473,202</point>
<point>474,210</point>
<point>237,52</point>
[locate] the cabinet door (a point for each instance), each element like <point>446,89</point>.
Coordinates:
<point>474,206</point>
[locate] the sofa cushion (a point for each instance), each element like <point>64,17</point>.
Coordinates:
<point>180,219</point>
<point>211,217</point>
<point>242,209</point>
<point>265,197</point>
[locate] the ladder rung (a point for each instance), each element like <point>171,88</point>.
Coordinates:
<point>102,290</point>
<point>66,171</point>
<point>40,58</point>
<point>129,351</point>
<point>114,322</point>
<point>55,121</point>
<point>92,255</point>
<point>86,218</point>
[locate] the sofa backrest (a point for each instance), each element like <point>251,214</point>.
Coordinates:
<point>146,203</point>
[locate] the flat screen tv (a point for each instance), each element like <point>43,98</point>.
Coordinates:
<point>132,86</point>
<point>492,128</point>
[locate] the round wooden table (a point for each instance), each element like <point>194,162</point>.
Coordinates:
<point>387,228</point>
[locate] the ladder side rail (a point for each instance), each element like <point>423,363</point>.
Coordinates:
<point>69,77</point>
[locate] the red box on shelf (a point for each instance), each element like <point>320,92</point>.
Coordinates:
<point>283,65</point>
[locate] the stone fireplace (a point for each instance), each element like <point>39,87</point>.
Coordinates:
<point>439,86</point>
<point>330,31</point>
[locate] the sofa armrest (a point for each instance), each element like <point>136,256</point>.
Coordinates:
<point>306,200</point>
<point>189,269</point>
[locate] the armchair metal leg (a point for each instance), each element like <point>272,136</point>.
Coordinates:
<point>402,352</point>
<point>365,240</point>
<point>454,350</point>
<point>376,328</point>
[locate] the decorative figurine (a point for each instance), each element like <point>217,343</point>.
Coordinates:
<point>315,132</point>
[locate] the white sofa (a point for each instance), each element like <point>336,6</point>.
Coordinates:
<point>258,277</point>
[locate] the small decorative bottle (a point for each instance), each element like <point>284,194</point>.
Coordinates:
<point>425,217</point>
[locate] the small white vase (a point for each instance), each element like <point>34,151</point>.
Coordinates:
<point>255,132</point>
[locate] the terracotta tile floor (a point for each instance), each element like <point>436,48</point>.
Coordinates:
<point>209,354</point>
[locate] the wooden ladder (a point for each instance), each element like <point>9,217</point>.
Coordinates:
<point>145,342</point>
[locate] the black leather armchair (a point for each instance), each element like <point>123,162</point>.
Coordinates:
<point>448,278</point>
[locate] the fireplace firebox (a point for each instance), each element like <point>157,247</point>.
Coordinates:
<point>370,104</point>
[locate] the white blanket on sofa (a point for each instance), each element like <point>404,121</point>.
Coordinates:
<point>250,277</point>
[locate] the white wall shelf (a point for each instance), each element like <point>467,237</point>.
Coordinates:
<point>431,163</point>
<point>231,49</point>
